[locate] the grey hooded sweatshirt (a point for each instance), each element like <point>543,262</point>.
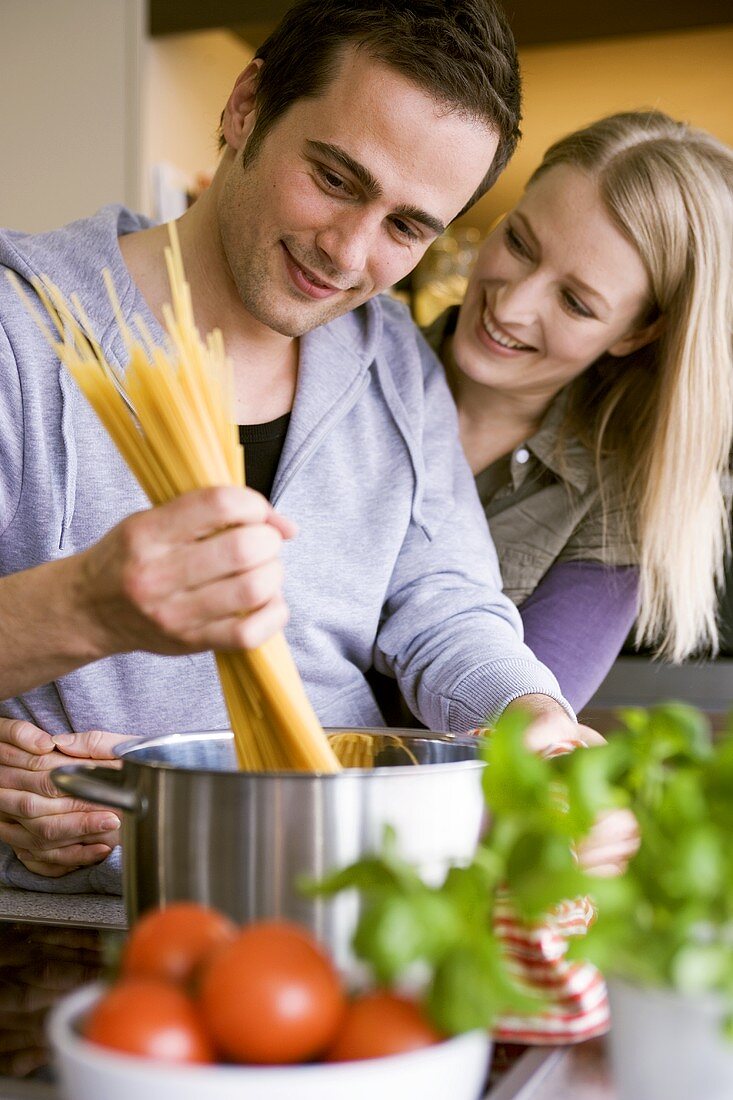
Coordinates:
<point>393,565</point>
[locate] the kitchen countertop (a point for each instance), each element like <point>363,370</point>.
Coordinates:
<point>79,910</point>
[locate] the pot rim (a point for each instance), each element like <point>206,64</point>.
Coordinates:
<point>126,751</point>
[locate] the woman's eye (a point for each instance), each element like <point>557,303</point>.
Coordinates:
<point>575,306</point>
<point>515,243</point>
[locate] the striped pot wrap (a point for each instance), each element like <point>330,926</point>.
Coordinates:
<point>575,992</point>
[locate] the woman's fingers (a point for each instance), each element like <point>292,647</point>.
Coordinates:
<point>27,805</point>
<point>555,730</point>
<point>588,736</point>
<point>611,843</point>
<point>91,745</point>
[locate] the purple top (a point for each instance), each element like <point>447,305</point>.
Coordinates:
<point>577,620</point>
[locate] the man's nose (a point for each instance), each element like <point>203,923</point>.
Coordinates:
<point>346,243</point>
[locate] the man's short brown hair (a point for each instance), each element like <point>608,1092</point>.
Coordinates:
<point>461,52</point>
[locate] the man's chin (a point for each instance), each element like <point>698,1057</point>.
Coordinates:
<point>300,322</point>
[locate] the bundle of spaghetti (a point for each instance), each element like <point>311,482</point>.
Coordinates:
<point>169,415</point>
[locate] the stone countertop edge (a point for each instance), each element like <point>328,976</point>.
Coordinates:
<point>80,910</point>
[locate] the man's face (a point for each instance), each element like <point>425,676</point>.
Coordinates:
<point>345,194</point>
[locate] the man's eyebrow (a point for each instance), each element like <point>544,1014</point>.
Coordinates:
<point>370,184</point>
<point>339,156</point>
<point>573,278</point>
<point>415,214</point>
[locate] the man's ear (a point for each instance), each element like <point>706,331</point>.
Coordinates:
<point>639,338</point>
<point>239,114</point>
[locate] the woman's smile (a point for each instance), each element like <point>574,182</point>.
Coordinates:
<point>500,339</point>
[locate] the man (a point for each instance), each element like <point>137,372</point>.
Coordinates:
<point>351,140</point>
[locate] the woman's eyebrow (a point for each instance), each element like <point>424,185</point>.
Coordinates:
<point>589,290</point>
<point>370,184</point>
<point>527,227</point>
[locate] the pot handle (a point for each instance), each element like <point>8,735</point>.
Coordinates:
<point>95,783</point>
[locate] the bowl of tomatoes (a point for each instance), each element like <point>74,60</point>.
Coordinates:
<point>202,1007</point>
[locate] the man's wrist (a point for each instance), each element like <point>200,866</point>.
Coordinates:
<point>49,613</point>
<point>90,638</point>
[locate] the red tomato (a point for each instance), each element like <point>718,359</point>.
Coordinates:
<point>174,942</point>
<point>380,1023</point>
<point>150,1018</point>
<point>272,996</point>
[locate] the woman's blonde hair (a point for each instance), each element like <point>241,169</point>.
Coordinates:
<point>662,418</point>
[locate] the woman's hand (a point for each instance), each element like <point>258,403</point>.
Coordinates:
<point>614,837</point>
<point>613,840</point>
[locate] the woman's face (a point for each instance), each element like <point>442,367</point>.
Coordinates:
<point>554,287</point>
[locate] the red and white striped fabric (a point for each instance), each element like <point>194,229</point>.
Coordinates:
<point>576,1002</point>
<point>575,992</point>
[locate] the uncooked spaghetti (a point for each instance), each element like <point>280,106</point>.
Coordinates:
<point>169,416</point>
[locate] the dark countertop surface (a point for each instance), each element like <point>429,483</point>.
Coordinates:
<point>85,910</point>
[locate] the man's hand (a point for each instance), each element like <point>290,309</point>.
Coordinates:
<point>202,572</point>
<point>50,832</point>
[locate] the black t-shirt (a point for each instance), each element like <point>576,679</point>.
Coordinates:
<point>263,444</point>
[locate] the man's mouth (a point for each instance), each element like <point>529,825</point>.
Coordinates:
<point>307,281</point>
<point>499,335</point>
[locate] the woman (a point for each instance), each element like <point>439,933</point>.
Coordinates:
<point>591,366</point>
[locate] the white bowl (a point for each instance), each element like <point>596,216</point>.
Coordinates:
<point>456,1068</point>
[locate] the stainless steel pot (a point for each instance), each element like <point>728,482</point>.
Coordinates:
<point>195,827</point>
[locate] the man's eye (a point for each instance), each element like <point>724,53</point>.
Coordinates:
<point>332,180</point>
<point>404,229</point>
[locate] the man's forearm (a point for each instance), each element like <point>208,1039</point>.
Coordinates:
<point>46,626</point>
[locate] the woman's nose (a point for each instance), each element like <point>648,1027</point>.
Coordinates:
<point>518,300</point>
